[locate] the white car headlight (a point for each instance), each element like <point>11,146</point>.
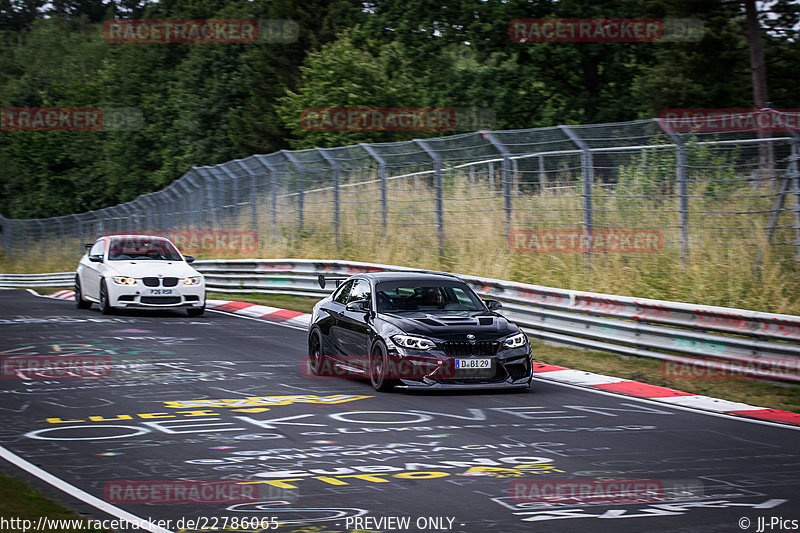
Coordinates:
<point>515,341</point>
<point>414,343</point>
<point>193,280</point>
<point>124,280</point>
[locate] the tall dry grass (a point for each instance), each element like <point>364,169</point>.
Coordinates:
<point>722,268</point>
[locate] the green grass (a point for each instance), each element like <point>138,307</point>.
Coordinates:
<point>19,500</point>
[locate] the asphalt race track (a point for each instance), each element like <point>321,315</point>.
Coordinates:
<point>221,398</point>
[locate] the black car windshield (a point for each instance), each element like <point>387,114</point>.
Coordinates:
<point>429,296</point>
<point>142,248</point>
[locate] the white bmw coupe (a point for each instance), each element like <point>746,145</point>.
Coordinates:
<point>138,271</point>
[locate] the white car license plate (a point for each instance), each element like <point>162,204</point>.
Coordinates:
<point>481,363</point>
<point>159,292</point>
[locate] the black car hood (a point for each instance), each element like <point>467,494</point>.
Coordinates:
<point>452,325</point>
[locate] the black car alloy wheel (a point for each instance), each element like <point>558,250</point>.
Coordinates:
<point>379,367</point>
<point>316,360</point>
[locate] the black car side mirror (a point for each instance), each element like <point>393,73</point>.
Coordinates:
<point>189,258</point>
<point>358,306</point>
<point>96,258</point>
<point>493,305</point>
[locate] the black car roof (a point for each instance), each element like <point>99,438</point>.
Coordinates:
<point>405,276</point>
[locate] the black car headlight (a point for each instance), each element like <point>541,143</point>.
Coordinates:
<point>413,343</point>
<point>515,341</point>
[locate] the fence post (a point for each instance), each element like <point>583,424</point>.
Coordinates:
<point>437,183</point>
<point>793,175</point>
<point>208,184</point>
<point>683,194</point>
<point>42,237</point>
<point>253,188</point>
<point>504,178</point>
<point>273,193</point>
<point>382,176</point>
<point>5,229</point>
<point>234,188</point>
<point>336,206</point>
<point>61,232</point>
<point>587,168</point>
<point>173,202</point>
<point>300,186</point>
<point>542,176</point>
<point>183,199</point>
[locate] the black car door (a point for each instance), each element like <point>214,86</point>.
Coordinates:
<point>330,324</point>
<point>353,328</point>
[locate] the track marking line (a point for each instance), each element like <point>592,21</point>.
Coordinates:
<point>80,494</point>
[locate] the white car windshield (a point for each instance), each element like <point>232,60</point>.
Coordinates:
<point>142,248</point>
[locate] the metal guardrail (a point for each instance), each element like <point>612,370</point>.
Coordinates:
<point>720,339</point>
<point>52,279</point>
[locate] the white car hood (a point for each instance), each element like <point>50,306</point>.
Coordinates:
<point>149,267</point>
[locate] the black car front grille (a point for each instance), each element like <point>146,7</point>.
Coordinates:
<point>488,375</point>
<point>459,348</point>
<point>164,300</point>
<point>150,282</point>
<point>170,282</point>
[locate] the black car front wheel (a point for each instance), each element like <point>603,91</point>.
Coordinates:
<point>316,359</point>
<point>379,368</point>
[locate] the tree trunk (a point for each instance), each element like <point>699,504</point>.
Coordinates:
<point>758,70</point>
